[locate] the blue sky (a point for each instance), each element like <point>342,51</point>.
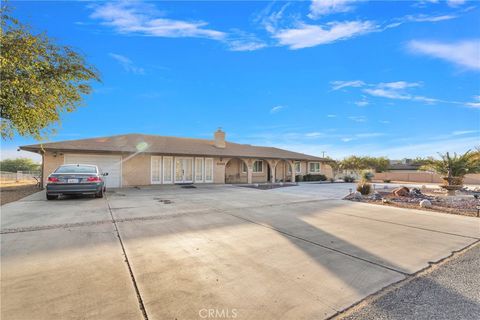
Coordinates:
<point>397,79</point>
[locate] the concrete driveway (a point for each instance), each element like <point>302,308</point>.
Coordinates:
<point>212,252</point>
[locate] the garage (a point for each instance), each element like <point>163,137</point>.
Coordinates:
<point>110,164</point>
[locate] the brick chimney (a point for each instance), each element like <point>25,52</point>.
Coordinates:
<point>219,136</point>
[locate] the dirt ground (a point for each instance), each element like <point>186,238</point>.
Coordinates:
<point>12,191</point>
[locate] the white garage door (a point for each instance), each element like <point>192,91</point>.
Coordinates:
<point>110,164</point>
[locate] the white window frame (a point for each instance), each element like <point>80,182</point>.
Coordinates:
<point>253,167</point>
<point>159,158</point>
<point>202,170</point>
<point>205,170</point>
<point>310,167</point>
<point>175,169</point>
<point>171,170</point>
<point>299,167</point>
<point>244,166</point>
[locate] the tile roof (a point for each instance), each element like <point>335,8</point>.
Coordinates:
<point>131,143</point>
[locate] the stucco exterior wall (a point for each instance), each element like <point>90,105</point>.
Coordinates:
<point>233,172</point>
<point>136,170</point>
<point>419,176</point>
<point>51,161</point>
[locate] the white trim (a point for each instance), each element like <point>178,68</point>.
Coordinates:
<point>195,171</point>
<point>253,166</point>
<point>101,155</point>
<point>160,168</point>
<point>175,170</point>
<point>205,171</point>
<point>299,167</point>
<point>243,164</point>
<point>319,167</point>
<point>171,170</point>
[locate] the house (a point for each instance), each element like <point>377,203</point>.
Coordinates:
<point>139,159</point>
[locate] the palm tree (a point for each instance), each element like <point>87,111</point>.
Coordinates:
<point>454,168</point>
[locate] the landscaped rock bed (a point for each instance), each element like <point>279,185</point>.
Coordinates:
<point>463,203</point>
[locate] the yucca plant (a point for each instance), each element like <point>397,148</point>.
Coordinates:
<point>454,168</point>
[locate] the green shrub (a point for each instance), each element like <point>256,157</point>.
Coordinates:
<point>367,176</point>
<point>314,177</point>
<point>364,188</point>
<point>348,179</point>
<point>299,178</point>
<point>387,180</point>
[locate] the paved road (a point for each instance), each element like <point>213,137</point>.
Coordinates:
<point>170,252</point>
<point>450,291</point>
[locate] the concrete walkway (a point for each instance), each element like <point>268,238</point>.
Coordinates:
<point>169,252</point>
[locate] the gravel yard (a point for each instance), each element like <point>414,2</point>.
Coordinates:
<point>462,204</point>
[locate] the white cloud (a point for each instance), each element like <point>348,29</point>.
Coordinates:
<point>358,118</point>
<point>307,35</point>
<point>314,134</point>
<point>276,109</point>
<point>337,85</point>
<point>137,17</point>
<point>463,53</point>
<point>398,85</point>
<point>386,93</point>
<point>127,64</point>
<point>142,18</point>
<point>320,8</point>
<point>362,103</point>
<point>430,18</point>
<point>455,3</point>
<point>331,115</point>
<point>463,132</point>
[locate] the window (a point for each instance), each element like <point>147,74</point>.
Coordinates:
<point>314,167</point>
<point>77,168</point>
<point>244,167</point>
<point>198,169</point>
<point>298,168</point>
<point>208,170</point>
<point>258,166</point>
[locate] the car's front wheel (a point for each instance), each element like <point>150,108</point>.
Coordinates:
<point>51,197</point>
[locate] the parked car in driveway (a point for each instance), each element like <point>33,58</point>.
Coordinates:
<point>69,179</point>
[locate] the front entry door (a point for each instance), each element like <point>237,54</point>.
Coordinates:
<point>183,170</point>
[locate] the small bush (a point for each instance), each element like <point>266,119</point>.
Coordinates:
<point>299,178</point>
<point>348,179</point>
<point>367,176</point>
<point>314,177</point>
<point>331,180</point>
<point>364,188</point>
<point>387,180</point>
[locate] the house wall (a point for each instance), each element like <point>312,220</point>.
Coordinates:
<point>136,170</point>
<point>51,161</point>
<point>233,172</point>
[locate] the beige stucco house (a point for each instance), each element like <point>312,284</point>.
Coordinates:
<point>139,159</point>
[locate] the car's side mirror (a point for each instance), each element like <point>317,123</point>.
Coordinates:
<point>105,174</point>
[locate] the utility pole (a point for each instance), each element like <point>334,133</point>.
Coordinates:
<point>323,154</point>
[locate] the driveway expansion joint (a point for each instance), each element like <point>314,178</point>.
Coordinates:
<point>132,276</point>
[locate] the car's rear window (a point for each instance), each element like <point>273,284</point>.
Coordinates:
<point>76,169</point>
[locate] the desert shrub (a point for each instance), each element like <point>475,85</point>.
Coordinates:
<point>331,180</point>
<point>348,179</point>
<point>367,176</point>
<point>364,188</point>
<point>387,180</point>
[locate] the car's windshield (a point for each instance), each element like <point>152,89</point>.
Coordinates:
<point>74,168</point>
